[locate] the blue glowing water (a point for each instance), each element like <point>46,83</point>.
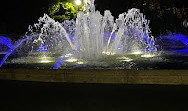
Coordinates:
<point>5,41</point>
<point>178,37</point>
<point>182,51</point>
<point>150,42</point>
<point>173,41</point>
<point>59,62</point>
<point>43,48</point>
<point>12,49</point>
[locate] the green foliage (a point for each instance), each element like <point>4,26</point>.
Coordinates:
<point>64,10</point>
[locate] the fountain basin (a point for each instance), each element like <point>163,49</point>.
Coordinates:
<point>175,77</point>
<point>176,59</point>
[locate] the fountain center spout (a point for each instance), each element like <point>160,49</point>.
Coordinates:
<point>89,6</point>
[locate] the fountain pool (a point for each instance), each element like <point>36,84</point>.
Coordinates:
<point>93,41</point>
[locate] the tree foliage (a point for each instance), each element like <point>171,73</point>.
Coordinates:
<point>64,10</point>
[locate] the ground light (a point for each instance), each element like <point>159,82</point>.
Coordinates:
<point>108,53</point>
<point>68,55</point>
<point>71,60</point>
<point>78,2</point>
<point>124,59</point>
<point>45,59</point>
<point>80,61</point>
<point>148,55</point>
<point>137,52</point>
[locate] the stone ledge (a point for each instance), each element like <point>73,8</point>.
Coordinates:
<point>176,77</point>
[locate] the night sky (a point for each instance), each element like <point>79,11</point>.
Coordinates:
<point>16,16</point>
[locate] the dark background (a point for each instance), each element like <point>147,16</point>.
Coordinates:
<point>16,16</point>
<point>37,96</point>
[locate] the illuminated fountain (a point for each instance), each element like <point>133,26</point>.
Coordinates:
<point>131,35</point>
<point>92,38</point>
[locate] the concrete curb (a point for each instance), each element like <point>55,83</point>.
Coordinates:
<point>175,77</point>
